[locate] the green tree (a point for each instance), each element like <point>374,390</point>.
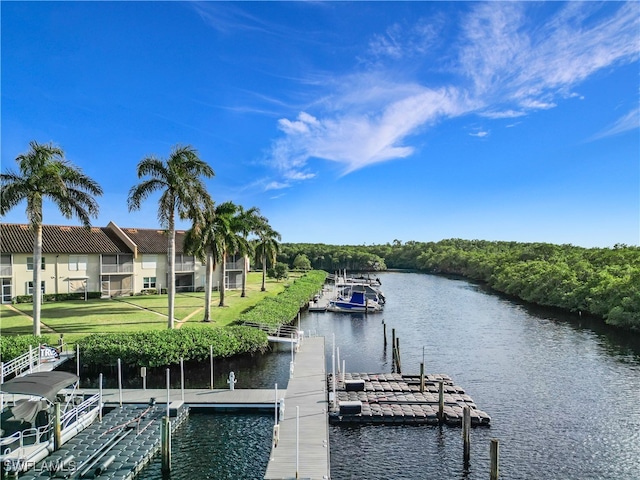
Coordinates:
<point>279,271</point>
<point>183,192</point>
<point>266,248</point>
<point>245,223</point>
<point>202,242</point>
<point>302,262</point>
<point>44,173</point>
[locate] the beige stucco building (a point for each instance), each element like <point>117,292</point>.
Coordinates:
<point>111,260</point>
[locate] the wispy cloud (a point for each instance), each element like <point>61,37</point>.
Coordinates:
<point>628,122</point>
<point>480,134</point>
<point>506,67</point>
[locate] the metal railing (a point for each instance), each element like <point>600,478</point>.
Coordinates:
<point>73,415</point>
<point>26,361</point>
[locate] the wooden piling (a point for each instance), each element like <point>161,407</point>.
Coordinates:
<point>57,427</point>
<point>494,454</point>
<point>422,378</point>
<point>384,331</point>
<point>466,435</point>
<point>441,401</point>
<point>398,363</point>
<point>165,434</point>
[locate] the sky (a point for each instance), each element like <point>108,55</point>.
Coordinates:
<point>354,123</point>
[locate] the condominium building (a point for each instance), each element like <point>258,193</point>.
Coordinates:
<point>111,260</point>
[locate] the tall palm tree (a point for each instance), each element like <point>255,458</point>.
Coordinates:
<point>247,222</point>
<point>44,173</point>
<point>267,247</point>
<point>231,238</point>
<point>203,242</point>
<point>179,178</point>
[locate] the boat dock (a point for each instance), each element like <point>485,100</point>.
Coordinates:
<point>393,398</point>
<point>259,398</point>
<point>301,443</point>
<point>116,448</point>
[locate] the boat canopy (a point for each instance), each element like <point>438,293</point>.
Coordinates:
<point>42,384</point>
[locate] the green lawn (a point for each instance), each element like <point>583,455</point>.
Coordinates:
<point>76,319</point>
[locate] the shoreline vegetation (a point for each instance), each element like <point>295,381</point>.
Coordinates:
<point>599,282</point>
<point>603,283</point>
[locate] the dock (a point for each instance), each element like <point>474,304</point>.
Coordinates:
<point>258,399</point>
<point>116,448</point>
<point>302,446</point>
<point>394,398</point>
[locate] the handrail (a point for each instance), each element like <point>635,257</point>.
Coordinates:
<point>19,364</point>
<point>74,414</point>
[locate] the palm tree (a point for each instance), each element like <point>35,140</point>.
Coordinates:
<point>231,238</point>
<point>267,247</point>
<point>183,192</point>
<point>44,173</point>
<point>247,222</point>
<point>204,243</point>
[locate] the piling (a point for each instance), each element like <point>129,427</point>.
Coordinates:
<point>78,362</point>
<point>165,433</point>
<point>466,435</point>
<point>57,427</point>
<point>422,377</point>
<point>441,401</point>
<point>393,347</point>
<point>494,454</point>
<point>398,363</point>
<point>384,331</point>
<point>211,362</point>
<point>120,381</point>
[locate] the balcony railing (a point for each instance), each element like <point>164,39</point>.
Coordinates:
<point>239,265</point>
<point>184,267</point>
<point>123,268</point>
<point>6,271</point>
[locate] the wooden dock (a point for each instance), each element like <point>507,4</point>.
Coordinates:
<point>302,449</point>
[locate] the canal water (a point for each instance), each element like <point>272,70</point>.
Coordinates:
<point>563,392</point>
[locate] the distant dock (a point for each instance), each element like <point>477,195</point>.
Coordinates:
<point>393,398</point>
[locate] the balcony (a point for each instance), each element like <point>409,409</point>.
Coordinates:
<point>111,269</point>
<point>6,270</point>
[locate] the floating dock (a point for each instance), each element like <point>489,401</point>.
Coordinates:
<point>393,398</point>
<point>116,448</point>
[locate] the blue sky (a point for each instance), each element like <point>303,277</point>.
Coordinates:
<point>345,123</point>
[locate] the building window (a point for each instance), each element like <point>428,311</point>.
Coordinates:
<point>149,282</point>
<point>30,263</point>
<point>149,261</point>
<point>30,288</point>
<point>77,263</point>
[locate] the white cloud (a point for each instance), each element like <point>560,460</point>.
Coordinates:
<point>480,134</point>
<point>628,122</point>
<point>507,67</point>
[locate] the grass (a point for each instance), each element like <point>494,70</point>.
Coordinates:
<point>76,319</point>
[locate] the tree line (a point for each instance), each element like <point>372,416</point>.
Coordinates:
<point>603,282</point>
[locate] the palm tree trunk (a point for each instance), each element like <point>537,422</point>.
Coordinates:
<point>224,274</point>
<point>264,272</point>
<point>37,275</point>
<point>171,263</point>
<point>245,267</point>
<point>208,287</point>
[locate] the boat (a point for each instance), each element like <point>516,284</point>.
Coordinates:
<point>358,302</point>
<point>44,410</point>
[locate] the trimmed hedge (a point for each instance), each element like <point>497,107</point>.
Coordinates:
<point>58,297</point>
<point>12,346</point>
<point>165,347</point>
<point>283,308</point>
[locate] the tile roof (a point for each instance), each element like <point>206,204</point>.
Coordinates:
<point>18,238</point>
<point>152,240</point>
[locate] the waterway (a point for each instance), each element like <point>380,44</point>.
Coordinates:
<point>563,392</point>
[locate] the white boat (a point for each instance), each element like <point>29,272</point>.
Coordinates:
<point>31,426</point>
<point>357,303</point>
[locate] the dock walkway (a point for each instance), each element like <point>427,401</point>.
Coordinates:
<point>302,449</point>
<point>259,398</point>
